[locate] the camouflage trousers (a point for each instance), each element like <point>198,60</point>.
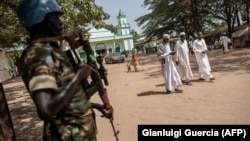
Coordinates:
<point>71,129</point>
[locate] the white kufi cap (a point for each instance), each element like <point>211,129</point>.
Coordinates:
<point>166,36</point>
<point>182,33</point>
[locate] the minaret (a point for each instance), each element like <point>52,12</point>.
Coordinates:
<point>123,28</point>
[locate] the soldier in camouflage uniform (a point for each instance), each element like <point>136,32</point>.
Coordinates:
<point>50,79</point>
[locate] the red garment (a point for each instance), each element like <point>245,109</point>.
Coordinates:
<point>134,60</point>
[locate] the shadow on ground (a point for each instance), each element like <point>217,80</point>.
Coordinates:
<point>237,61</point>
<point>160,85</point>
<point>27,125</point>
<point>148,93</point>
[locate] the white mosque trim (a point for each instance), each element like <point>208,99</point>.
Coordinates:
<point>104,41</point>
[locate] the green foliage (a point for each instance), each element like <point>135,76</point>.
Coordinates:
<point>110,27</point>
<point>76,13</point>
<point>169,16</point>
<point>82,13</point>
<point>135,35</point>
<point>9,25</point>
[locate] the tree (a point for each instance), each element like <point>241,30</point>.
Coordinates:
<point>83,12</point>
<point>9,26</point>
<point>168,16</point>
<point>245,13</point>
<point>226,10</point>
<point>110,27</point>
<point>76,13</point>
<point>135,35</point>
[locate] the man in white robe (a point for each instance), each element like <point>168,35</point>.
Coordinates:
<point>182,59</point>
<point>225,41</point>
<point>170,74</point>
<point>200,50</point>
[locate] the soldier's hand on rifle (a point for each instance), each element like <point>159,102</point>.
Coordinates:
<point>84,70</point>
<point>107,113</point>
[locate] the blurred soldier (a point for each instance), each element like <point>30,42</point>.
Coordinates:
<point>50,78</point>
<point>170,74</point>
<point>182,59</point>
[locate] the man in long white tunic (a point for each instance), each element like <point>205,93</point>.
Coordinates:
<point>170,74</point>
<point>182,59</point>
<point>225,41</point>
<point>200,49</point>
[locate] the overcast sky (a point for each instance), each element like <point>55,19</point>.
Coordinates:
<point>131,8</point>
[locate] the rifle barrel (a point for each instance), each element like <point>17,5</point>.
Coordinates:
<point>115,132</point>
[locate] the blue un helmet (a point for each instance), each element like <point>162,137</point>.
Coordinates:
<point>31,12</point>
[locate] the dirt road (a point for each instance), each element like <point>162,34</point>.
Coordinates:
<point>139,98</point>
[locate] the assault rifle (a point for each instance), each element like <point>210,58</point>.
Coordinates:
<point>76,39</point>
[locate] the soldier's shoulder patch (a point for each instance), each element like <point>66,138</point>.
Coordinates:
<point>49,61</point>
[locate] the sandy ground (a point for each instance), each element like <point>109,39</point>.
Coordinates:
<point>139,98</point>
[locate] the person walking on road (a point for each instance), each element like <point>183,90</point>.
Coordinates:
<point>225,42</point>
<point>182,59</point>
<point>170,74</point>
<point>134,62</point>
<point>200,49</point>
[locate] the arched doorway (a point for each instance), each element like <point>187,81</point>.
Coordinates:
<point>110,50</point>
<point>117,48</point>
<point>101,48</point>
